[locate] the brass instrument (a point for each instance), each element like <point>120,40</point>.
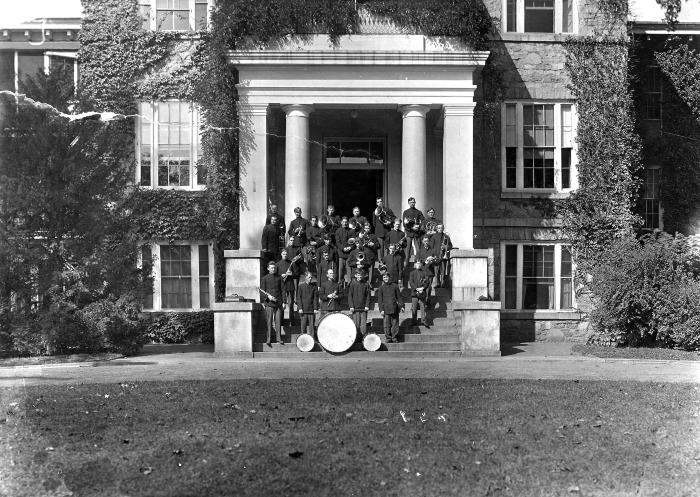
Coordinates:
<point>397,245</point>
<point>411,223</point>
<point>291,263</point>
<point>382,268</point>
<point>352,224</point>
<point>383,217</point>
<point>431,227</point>
<point>269,295</point>
<point>430,259</point>
<point>360,258</point>
<point>350,246</point>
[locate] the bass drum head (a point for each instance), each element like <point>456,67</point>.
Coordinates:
<point>305,343</point>
<point>372,342</point>
<point>336,332</point>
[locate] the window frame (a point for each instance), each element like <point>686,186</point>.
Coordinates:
<point>519,276</point>
<point>195,277</point>
<point>151,7</point>
<point>653,71</point>
<point>520,149</point>
<point>149,110</point>
<point>644,198</point>
<point>558,18</point>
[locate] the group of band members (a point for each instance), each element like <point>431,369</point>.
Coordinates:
<point>336,254</point>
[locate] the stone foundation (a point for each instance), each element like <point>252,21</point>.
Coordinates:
<point>543,326</point>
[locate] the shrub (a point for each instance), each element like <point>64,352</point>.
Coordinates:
<point>181,327</point>
<point>646,292</point>
<point>116,322</point>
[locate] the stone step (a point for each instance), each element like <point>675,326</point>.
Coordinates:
<point>390,347</point>
<point>403,338</point>
<point>390,354</point>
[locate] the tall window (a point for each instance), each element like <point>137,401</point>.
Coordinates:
<point>537,146</point>
<point>650,199</point>
<point>169,145</point>
<point>182,276</point>
<point>174,15</point>
<point>653,93</point>
<point>537,276</point>
<point>539,16</point>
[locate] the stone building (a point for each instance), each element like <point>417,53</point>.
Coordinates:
<point>485,137</point>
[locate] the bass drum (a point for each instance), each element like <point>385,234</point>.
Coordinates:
<point>336,332</point>
<point>305,342</point>
<point>371,342</point>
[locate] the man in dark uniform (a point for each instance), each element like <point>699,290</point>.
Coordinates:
<point>390,304</point>
<point>430,222</point>
<point>342,237</point>
<point>289,272</point>
<point>359,220</point>
<point>330,294</point>
<point>428,256</point>
<point>307,303</point>
<point>358,301</point>
<point>419,282</point>
<point>271,286</point>
<point>333,218</point>
<point>327,246</point>
<point>398,238</point>
<point>383,219</point>
<point>269,241</point>
<point>313,233</point>
<point>412,222</point>
<point>393,263</point>
<point>359,258</point>
<point>371,248</point>
<point>297,232</point>
<point>324,264</point>
<point>442,245</point>
<point>280,224</point>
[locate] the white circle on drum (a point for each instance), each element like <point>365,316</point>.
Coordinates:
<point>372,342</point>
<point>336,332</point>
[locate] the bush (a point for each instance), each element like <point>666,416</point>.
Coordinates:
<point>116,322</point>
<point>181,327</point>
<point>647,292</point>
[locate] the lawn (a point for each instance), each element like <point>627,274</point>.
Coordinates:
<point>351,437</point>
<point>636,353</point>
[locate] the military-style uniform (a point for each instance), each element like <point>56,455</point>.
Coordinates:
<point>270,243</point>
<point>382,230</point>
<point>390,303</point>
<point>307,302</point>
<point>342,235</point>
<point>297,229</point>
<point>358,300</point>
<point>313,236</point>
<point>272,284</point>
<point>394,266</point>
<point>288,284</point>
<point>420,279</point>
<point>327,304</point>
<point>442,267</point>
<point>412,234</point>
<point>322,269</point>
<point>423,254</point>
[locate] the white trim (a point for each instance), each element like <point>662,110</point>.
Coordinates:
<point>558,18</point>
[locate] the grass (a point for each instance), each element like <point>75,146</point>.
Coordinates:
<point>635,353</point>
<point>351,437</point>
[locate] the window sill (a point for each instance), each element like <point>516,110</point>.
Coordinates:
<point>534,37</point>
<point>184,309</point>
<point>541,314</point>
<point>180,188</point>
<point>552,194</point>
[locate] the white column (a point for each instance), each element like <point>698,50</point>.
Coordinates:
<point>458,174</point>
<point>297,176</point>
<point>253,181</point>
<point>413,174</point>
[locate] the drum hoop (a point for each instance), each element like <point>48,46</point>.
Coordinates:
<point>303,338</point>
<point>371,336</point>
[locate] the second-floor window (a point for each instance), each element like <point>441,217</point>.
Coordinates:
<point>174,15</point>
<point>653,93</point>
<point>169,145</point>
<point>651,204</point>
<point>538,146</point>
<point>539,16</point>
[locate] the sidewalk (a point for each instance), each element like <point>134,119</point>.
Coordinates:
<point>533,361</point>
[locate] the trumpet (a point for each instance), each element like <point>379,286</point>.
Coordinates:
<point>430,259</point>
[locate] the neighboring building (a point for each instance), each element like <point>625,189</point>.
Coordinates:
<point>393,113</point>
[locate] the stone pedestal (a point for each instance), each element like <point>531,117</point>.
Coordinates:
<point>470,274</point>
<point>243,273</point>
<point>479,331</point>
<point>234,327</point>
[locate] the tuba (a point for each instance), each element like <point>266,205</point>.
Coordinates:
<point>360,258</point>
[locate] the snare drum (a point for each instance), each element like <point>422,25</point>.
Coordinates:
<point>305,343</point>
<point>336,332</point>
<point>371,342</point>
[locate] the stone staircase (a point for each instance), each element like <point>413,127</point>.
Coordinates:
<point>438,340</point>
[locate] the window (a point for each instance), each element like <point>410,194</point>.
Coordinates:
<point>181,276</point>
<point>17,67</point>
<point>353,151</point>
<point>539,16</point>
<point>653,93</point>
<point>7,71</point>
<point>29,65</point>
<point>537,151</point>
<point>537,276</point>
<point>169,145</point>
<point>174,15</point>
<point>650,200</point>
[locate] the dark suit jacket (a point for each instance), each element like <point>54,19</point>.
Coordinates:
<point>423,254</point>
<point>379,229</point>
<point>393,266</point>
<point>307,297</point>
<point>299,240</point>
<point>389,298</point>
<point>280,221</point>
<point>282,266</point>
<point>341,240</point>
<point>272,284</point>
<point>413,213</point>
<point>419,278</point>
<point>358,294</point>
<point>327,288</point>
<point>394,236</point>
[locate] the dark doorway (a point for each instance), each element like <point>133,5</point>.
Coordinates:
<point>347,188</point>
